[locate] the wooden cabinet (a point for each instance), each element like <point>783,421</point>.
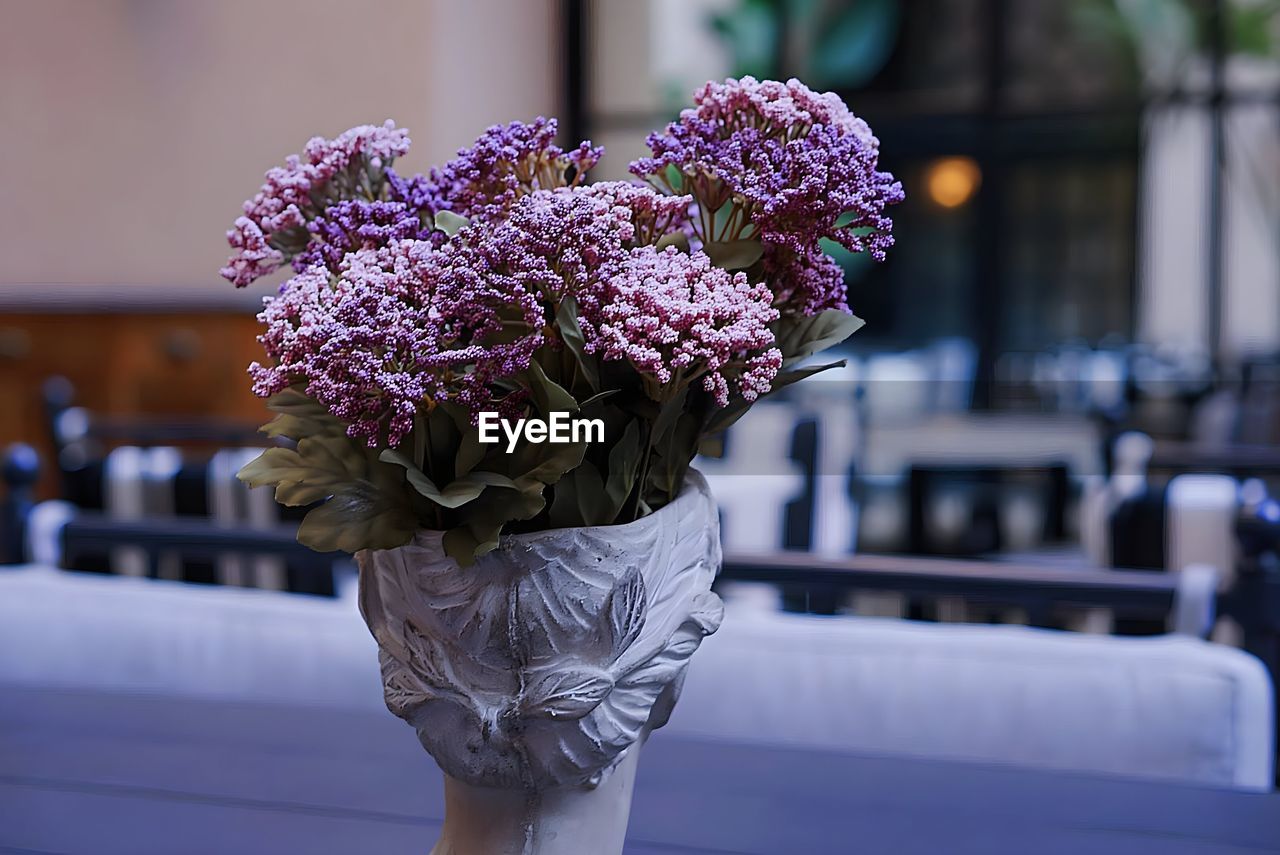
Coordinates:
<point>182,364</point>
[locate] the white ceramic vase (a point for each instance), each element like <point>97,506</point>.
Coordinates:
<point>534,676</point>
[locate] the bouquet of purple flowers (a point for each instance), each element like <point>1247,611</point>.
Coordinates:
<point>436,324</point>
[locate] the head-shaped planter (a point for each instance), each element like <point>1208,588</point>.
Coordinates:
<point>538,666</point>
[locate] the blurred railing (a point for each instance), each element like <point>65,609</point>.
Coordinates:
<point>1188,600</point>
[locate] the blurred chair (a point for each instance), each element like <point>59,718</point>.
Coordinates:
<point>757,477</point>
<point>1174,708</point>
<point>19,471</point>
<point>139,485</point>
<point>232,504</point>
<point>1200,523</point>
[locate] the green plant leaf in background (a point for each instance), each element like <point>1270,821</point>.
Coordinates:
<point>831,44</point>
<point>854,42</point>
<point>1253,28</point>
<point>299,417</point>
<point>750,30</point>
<point>531,468</point>
<point>624,464</point>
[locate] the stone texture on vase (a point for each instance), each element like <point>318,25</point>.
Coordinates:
<point>538,667</point>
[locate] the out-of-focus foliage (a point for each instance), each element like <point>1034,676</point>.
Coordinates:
<point>836,44</point>
<point>1166,34</point>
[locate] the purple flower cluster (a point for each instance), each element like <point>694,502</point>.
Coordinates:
<point>505,163</point>
<point>346,227</point>
<point>799,164</point>
<point>553,244</point>
<point>395,333</point>
<point>676,317</point>
<point>805,283</point>
<point>254,257</point>
<point>274,221</point>
<point>387,317</point>
<point>774,107</point>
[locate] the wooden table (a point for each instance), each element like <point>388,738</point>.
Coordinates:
<point>100,773</point>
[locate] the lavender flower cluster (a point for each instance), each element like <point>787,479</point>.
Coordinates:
<point>797,167</point>
<point>674,314</point>
<point>274,220</point>
<point>505,163</point>
<point>396,330</point>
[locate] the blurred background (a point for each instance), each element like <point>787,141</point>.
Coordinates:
<point>1062,411</point>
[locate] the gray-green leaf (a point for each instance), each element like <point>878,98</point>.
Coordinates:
<point>451,223</point>
<point>801,336</point>
<point>734,254</point>
<point>457,492</point>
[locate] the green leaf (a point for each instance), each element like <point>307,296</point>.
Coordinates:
<point>294,400</point>
<point>624,463</point>
<point>297,481</point>
<point>451,223</point>
<point>457,492</point>
<point>734,254</point>
<point>470,452</point>
<point>786,378</point>
<point>485,520</point>
<point>597,398</point>
<point>670,461</point>
<point>564,504</point>
<point>667,416</point>
<point>548,395</point>
<point>299,416</point>
<point>297,427</point>
<point>360,517</point>
<point>801,336</point>
<point>712,446</point>
<point>674,177</point>
<point>546,462</point>
<point>679,240</point>
<point>571,332</point>
<point>724,417</point>
<point>365,506</point>
<point>588,495</point>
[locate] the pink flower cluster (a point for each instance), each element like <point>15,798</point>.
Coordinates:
<point>776,108</point>
<point>274,222</point>
<point>397,332</point>
<point>669,313</point>
<point>553,244</point>
<point>652,214</point>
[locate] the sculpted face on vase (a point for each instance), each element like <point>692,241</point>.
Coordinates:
<point>541,668</point>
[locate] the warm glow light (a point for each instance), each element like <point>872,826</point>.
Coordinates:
<point>953,180</point>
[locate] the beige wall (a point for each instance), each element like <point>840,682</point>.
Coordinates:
<point>131,130</point>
